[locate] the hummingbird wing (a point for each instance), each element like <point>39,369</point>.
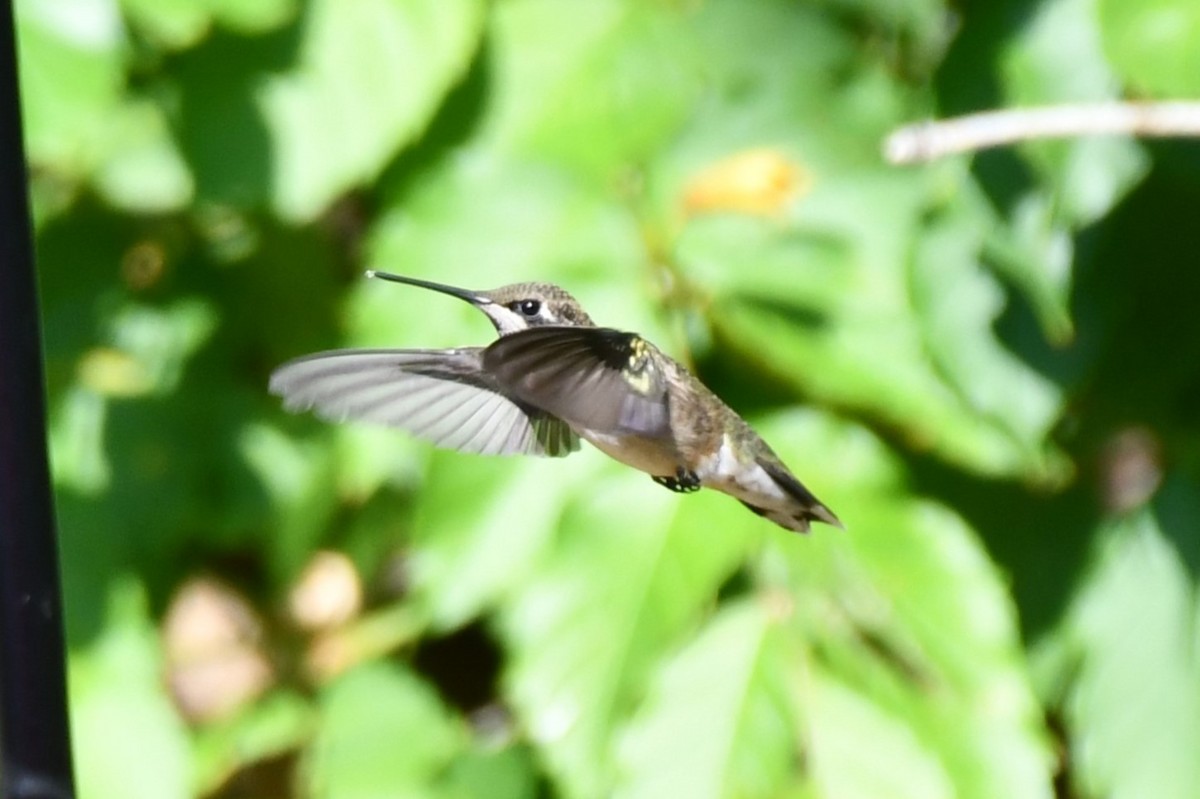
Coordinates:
<point>442,396</point>
<point>594,378</point>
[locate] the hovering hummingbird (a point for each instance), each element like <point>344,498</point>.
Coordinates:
<point>550,379</point>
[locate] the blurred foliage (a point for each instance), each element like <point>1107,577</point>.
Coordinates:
<point>989,367</point>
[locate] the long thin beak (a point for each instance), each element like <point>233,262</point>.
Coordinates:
<point>463,294</point>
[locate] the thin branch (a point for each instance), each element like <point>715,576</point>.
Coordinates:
<point>927,141</point>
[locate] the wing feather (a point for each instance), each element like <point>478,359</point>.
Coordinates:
<point>594,378</point>
<point>441,396</point>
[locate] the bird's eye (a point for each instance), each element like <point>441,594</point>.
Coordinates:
<point>529,307</point>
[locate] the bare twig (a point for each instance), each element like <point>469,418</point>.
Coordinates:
<point>927,141</point>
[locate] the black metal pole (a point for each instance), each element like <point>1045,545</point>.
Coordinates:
<point>35,744</point>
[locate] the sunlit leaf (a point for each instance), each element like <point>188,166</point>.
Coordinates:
<point>162,340</point>
<point>956,304</point>
<point>77,442</point>
<point>182,23</point>
<point>508,773</point>
<point>143,170</point>
<point>618,83</point>
<point>623,583</point>
<point>907,603</point>
<point>115,685</point>
<point>718,722</point>
<point>468,555</point>
<point>77,124</point>
<point>368,457</point>
<point>1132,700</point>
<point>383,732</point>
<point>1154,45</point>
<point>842,724</point>
<point>71,76</point>
<point>855,661</point>
<point>830,310</point>
<point>371,75</point>
<point>296,476</point>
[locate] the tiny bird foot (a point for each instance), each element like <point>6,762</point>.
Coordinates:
<point>683,481</point>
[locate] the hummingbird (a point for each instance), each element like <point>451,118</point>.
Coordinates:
<point>552,378</point>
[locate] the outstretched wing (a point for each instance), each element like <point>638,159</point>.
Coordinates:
<point>595,378</point>
<point>442,396</point>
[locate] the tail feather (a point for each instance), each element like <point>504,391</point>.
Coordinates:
<point>811,507</point>
<point>797,522</point>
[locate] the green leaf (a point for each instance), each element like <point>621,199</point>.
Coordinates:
<point>507,773</point>
<point>1033,251</point>
<point>718,721</point>
<point>369,456</point>
<point>382,732</point>
<point>296,477</point>
<point>467,556</point>
<point>161,340</point>
<point>76,441</point>
<point>1061,41</point>
<point>917,28</point>
<point>906,605</point>
<point>843,725</point>
<point>1058,58</point>
<point>830,309</point>
<point>865,626</point>
<point>779,75</point>
<point>71,76</point>
<point>253,17</point>
<point>617,82</point>
<point>1154,45</point>
<point>623,584</point>
<point>143,171</point>
<point>956,304</point>
<point>1132,700</point>
<point>370,76</point>
<point>176,24</point>
<point>78,125</point>
<point>274,726</point>
<point>128,741</point>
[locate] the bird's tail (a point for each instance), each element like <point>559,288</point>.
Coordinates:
<point>810,508</point>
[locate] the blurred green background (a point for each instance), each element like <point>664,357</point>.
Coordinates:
<point>989,367</point>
